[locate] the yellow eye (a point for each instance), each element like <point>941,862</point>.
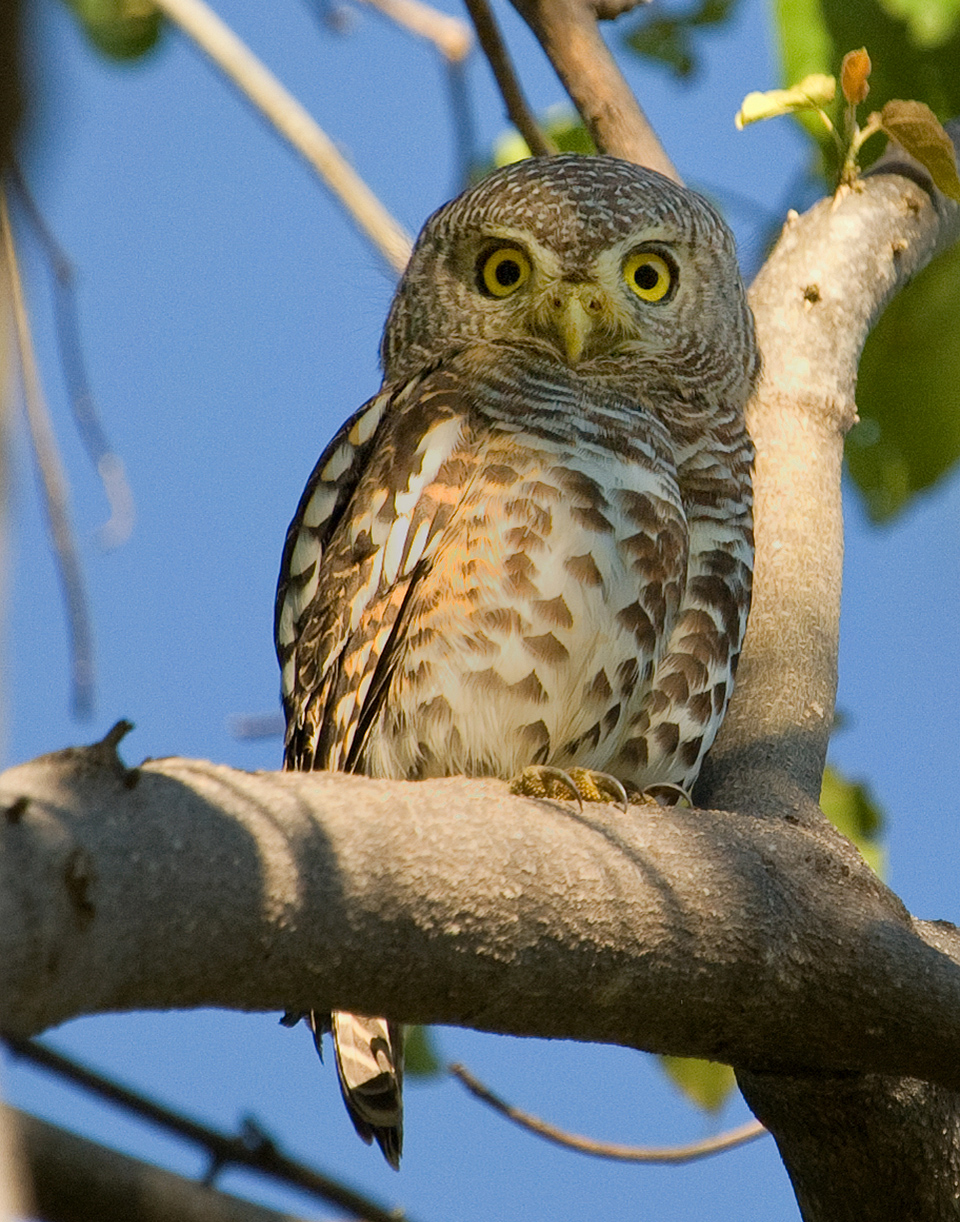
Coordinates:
<point>650,276</point>
<point>503,271</point>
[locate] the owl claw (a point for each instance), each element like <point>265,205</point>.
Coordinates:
<point>665,794</point>
<point>540,781</point>
<point>579,784</point>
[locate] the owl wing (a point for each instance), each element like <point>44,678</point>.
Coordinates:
<point>693,680</point>
<point>362,536</point>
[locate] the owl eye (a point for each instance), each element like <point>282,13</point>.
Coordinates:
<point>649,275</point>
<point>503,271</point>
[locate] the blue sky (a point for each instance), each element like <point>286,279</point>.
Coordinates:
<point>230,320</point>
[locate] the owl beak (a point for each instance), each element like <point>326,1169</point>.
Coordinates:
<point>575,310</point>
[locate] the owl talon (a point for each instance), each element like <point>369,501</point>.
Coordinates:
<point>600,787</point>
<point>665,794</point>
<point>580,784</point>
<point>539,781</point>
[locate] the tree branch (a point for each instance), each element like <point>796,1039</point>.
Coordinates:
<point>815,300</point>
<point>567,31</point>
<point>76,1180</point>
<point>675,1155</point>
<point>285,113</point>
<point>661,930</point>
<point>491,41</point>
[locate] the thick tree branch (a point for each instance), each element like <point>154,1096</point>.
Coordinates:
<point>665,929</point>
<point>826,282</point>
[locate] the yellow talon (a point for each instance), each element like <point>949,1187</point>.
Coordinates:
<point>579,784</point>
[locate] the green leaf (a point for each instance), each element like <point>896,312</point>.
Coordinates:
<point>908,392</point>
<point>812,93</point>
<point>815,34</point>
<point>564,127</point>
<point>930,22</point>
<point>706,1083</point>
<point>420,1059</point>
<point>850,808</point>
<point>671,40</point>
<point>920,132</point>
<point>120,29</point>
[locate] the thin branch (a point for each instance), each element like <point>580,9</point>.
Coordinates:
<point>108,464</point>
<point>494,48</point>
<point>262,88</point>
<point>77,1180</point>
<point>253,1149</point>
<point>612,1150</point>
<point>450,35</point>
<point>54,483</point>
<point>567,31</point>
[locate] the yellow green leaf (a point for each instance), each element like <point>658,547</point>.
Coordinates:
<point>705,1083</point>
<point>120,29</point>
<point>564,127</point>
<point>914,126</point>
<point>850,808</point>
<point>811,93</point>
<point>420,1058</point>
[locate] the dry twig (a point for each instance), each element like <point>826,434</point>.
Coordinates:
<point>54,483</point>
<point>449,35</point>
<point>108,464</point>
<point>253,1149</point>
<point>521,116</point>
<point>604,1149</point>
<point>289,117</point>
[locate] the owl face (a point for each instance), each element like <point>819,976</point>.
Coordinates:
<point>613,269</point>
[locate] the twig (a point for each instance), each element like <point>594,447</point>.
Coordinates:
<point>287,115</point>
<point>495,50</point>
<point>464,128</point>
<point>54,483</point>
<point>108,464</point>
<point>252,1149</point>
<point>449,35</point>
<point>602,1149</point>
<point>77,1180</point>
<point>567,31</point>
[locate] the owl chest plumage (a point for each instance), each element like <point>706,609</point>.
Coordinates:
<point>504,580</point>
<point>535,631</point>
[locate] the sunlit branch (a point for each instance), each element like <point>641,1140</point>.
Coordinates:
<point>449,35</point>
<point>54,483</point>
<point>567,31</point>
<point>612,1150</point>
<point>290,118</point>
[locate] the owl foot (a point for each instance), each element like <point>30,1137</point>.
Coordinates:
<point>579,784</point>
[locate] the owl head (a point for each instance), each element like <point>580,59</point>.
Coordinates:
<point>611,268</point>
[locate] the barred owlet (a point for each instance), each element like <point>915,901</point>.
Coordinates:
<point>531,550</point>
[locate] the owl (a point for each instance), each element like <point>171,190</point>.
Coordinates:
<point>529,555</point>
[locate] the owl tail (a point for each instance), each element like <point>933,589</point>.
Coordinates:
<point>370,1066</point>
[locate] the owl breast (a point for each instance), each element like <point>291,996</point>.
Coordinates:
<point>535,628</point>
